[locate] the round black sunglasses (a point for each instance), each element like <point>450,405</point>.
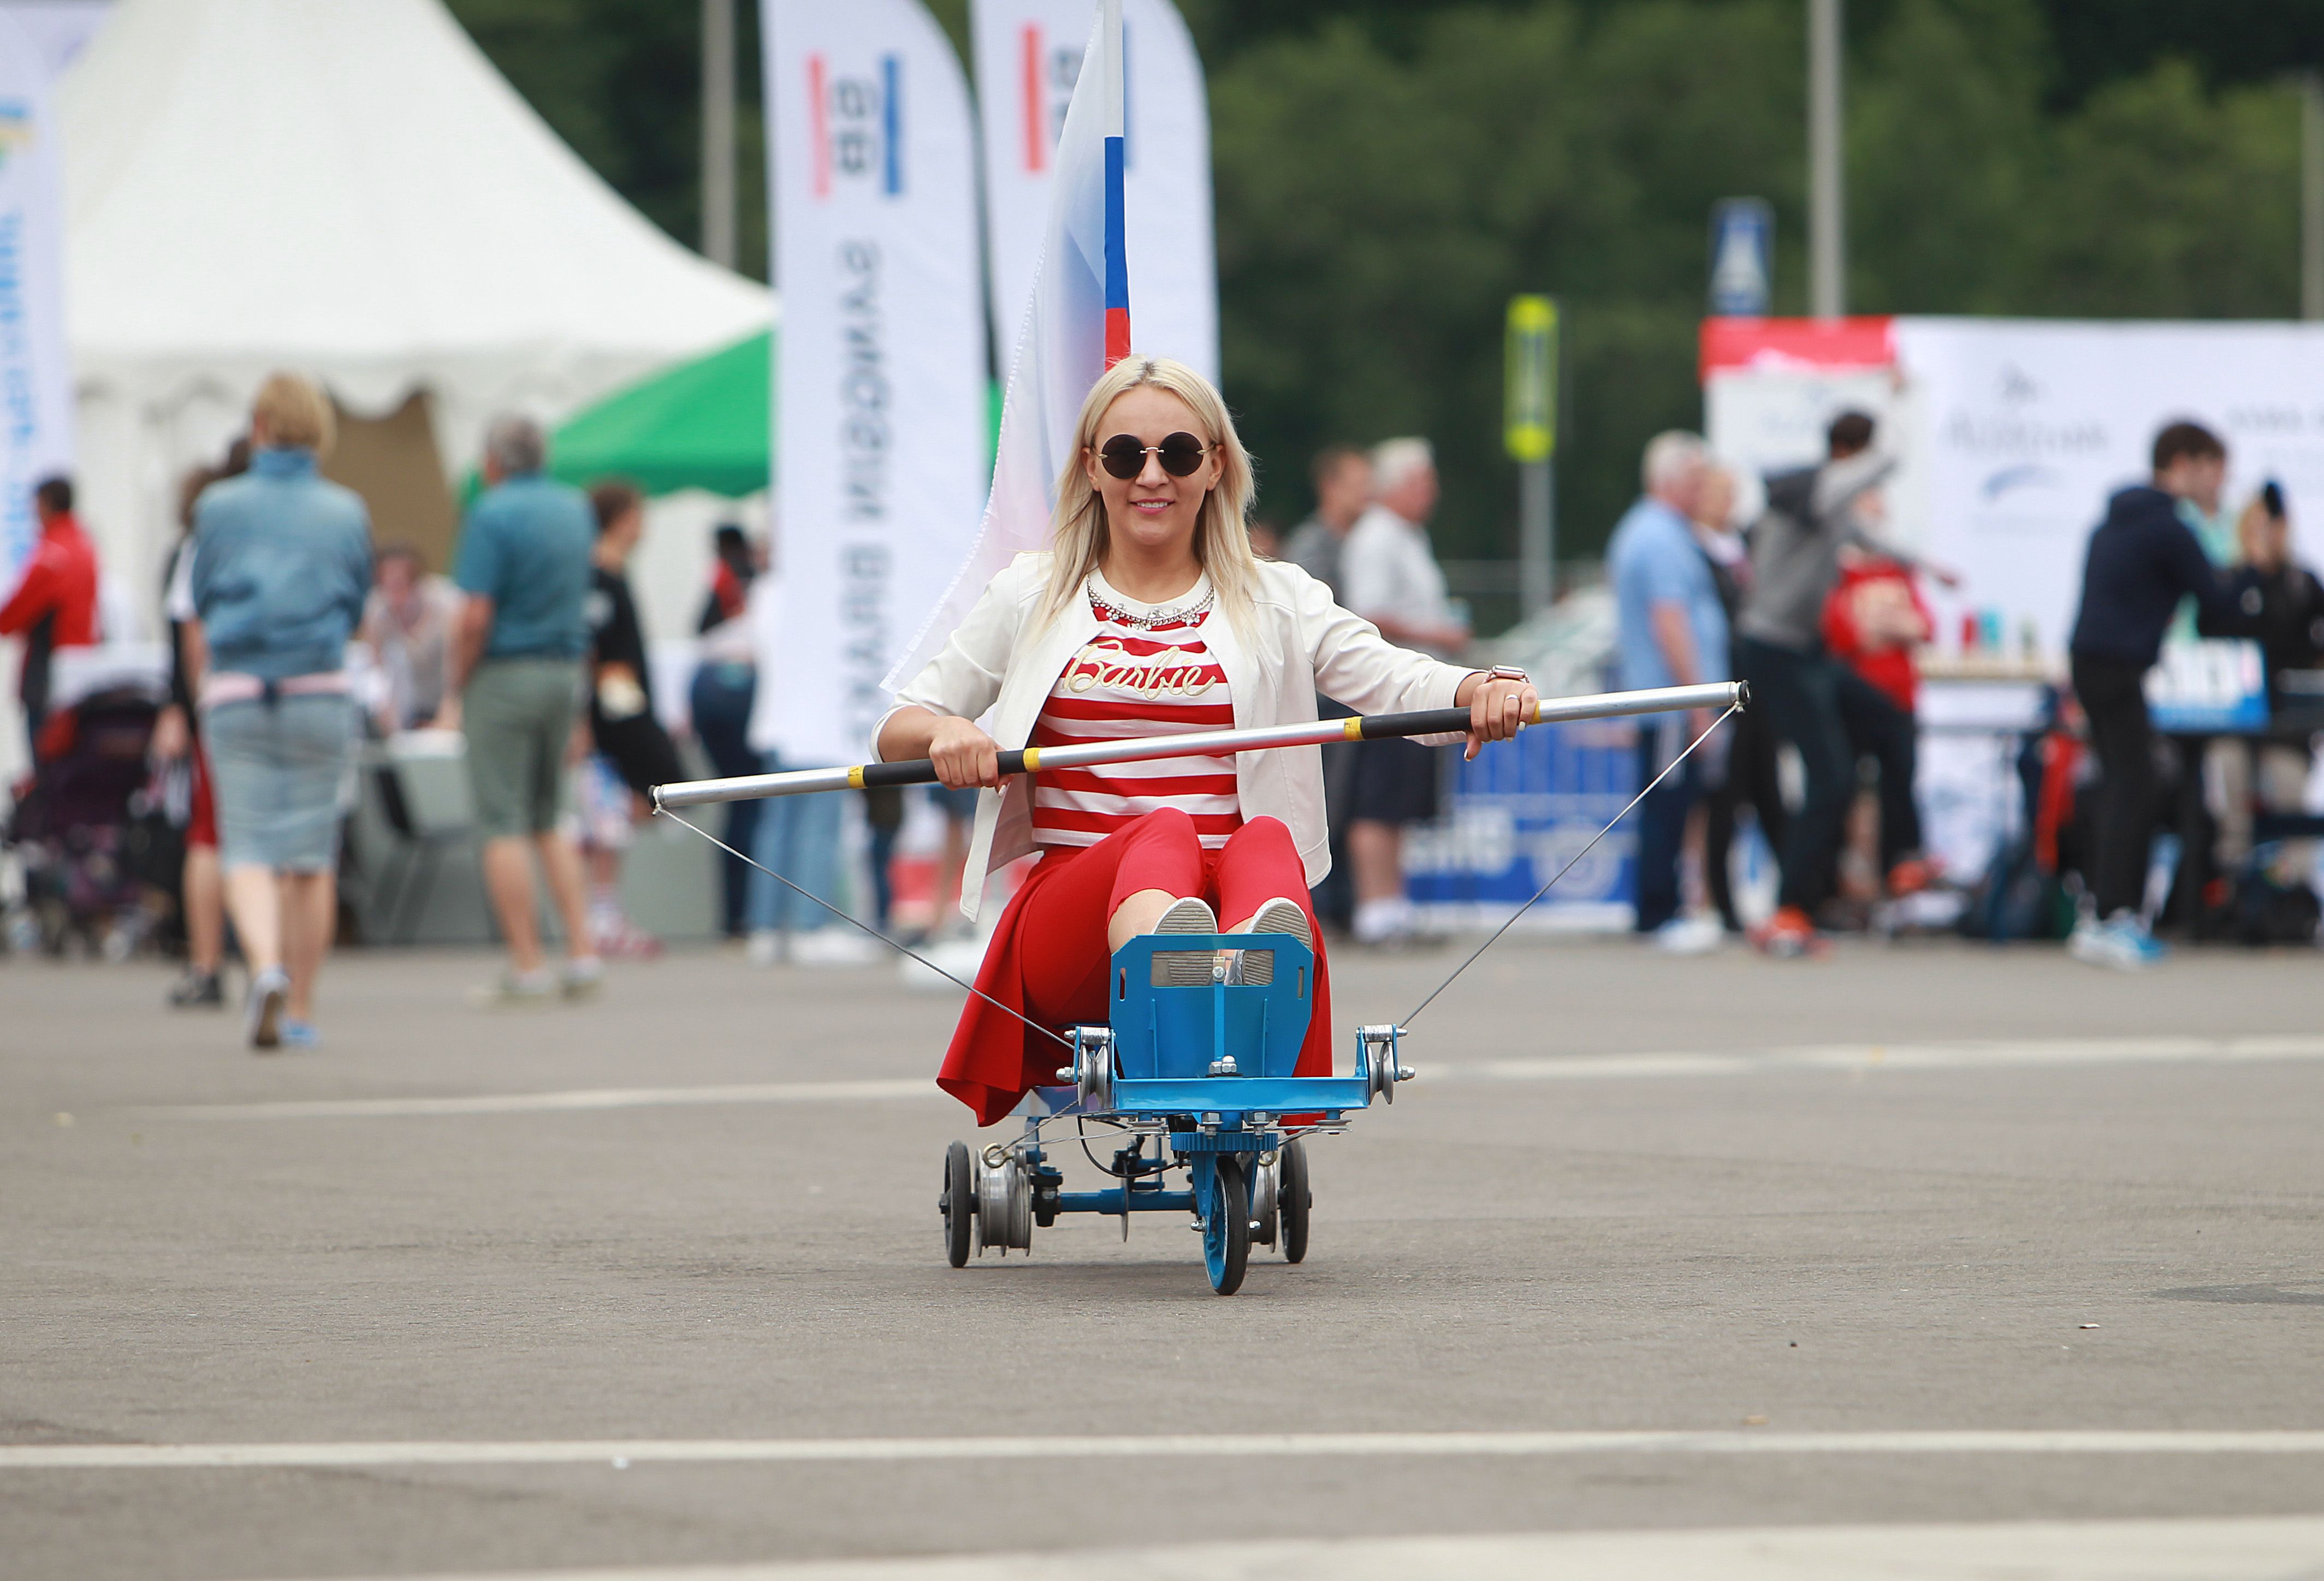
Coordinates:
<point>1125,457</point>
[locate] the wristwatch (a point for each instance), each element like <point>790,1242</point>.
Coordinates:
<point>1508,673</point>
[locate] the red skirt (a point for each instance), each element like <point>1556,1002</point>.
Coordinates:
<point>1048,959</point>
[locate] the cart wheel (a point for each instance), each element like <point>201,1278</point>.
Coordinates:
<point>1292,1199</point>
<point>958,1204</point>
<point>1226,1234</point>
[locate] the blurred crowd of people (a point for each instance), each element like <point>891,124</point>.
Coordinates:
<point>293,635</point>
<point>1822,614</point>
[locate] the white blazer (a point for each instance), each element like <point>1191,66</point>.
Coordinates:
<point>1300,643</point>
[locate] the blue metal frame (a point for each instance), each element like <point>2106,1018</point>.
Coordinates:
<point>1206,1069</point>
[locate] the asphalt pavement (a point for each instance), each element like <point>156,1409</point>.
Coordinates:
<point>1926,1260</point>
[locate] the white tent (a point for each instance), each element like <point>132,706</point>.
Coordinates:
<point>347,187</point>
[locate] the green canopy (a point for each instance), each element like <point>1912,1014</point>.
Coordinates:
<point>702,424</point>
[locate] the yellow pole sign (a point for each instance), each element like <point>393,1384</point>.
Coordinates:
<point>1529,421</point>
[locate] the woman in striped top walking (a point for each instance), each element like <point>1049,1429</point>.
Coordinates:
<point>1149,615</point>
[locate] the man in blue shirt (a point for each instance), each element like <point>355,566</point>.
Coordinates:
<point>1670,631</point>
<point>513,681</point>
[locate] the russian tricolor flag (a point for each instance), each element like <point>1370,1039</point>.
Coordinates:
<point>1076,326</point>
<point>1117,260</point>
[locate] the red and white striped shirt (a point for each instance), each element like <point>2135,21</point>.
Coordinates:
<point>1133,679</point>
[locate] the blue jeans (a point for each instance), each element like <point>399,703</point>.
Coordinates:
<point>1662,818</point>
<point>797,837</point>
<point>721,702</point>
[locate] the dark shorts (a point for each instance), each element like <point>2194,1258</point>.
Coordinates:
<point>1395,782</point>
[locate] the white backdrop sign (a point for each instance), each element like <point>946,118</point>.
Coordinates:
<point>35,377</point>
<point>1028,58</point>
<point>36,385</point>
<point>2014,432</point>
<point>880,393</point>
<point>2025,428</point>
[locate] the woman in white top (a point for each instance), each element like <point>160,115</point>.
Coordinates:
<point>1149,616</point>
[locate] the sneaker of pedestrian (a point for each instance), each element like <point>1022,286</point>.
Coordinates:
<point>261,1010</point>
<point>617,938</point>
<point>1185,969</point>
<point>1789,934</point>
<point>1256,968</point>
<point>764,948</point>
<point>836,945</point>
<point>1910,876</point>
<point>1698,935</point>
<point>581,976</point>
<point>1383,924</point>
<point>2121,943</point>
<point>516,990</point>
<point>300,1035</point>
<point>197,990</point>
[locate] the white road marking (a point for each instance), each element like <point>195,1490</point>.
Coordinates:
<point>523,1103</point>
<point>2237,1549</point>
<point>1168,1445</point>
<point>1853,1058</point>
<point>1963,1056</point>
<point>2251,1549</point>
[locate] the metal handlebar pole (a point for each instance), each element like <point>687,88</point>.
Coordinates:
<point>696,792</point>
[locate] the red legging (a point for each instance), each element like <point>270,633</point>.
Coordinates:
<point>1063,921</point>
<point>1049,957</point>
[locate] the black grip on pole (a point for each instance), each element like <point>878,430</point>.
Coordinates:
<point>1427,721</point>
<point>922,771</point>
<point>911,771</point>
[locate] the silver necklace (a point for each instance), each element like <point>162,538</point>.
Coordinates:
<point>1177,617</point>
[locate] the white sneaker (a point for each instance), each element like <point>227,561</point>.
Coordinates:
<point>1384,922</point>
<point>837,946</point>
<point>1185,969</point>
<point>1278,916</point>
<point>2121,943</point>
<point>581,976</point>
<point>765,948</point>
<point>262,1013</point>
<point>1690,935</point>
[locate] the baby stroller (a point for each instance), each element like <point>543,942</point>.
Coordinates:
<point>73,825</point>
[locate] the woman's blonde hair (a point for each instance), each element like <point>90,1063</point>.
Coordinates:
<point>1078,533</point>
<point>296,412</point>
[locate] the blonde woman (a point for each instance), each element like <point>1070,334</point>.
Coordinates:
<point>1149,615</point>
<point>281,566</point>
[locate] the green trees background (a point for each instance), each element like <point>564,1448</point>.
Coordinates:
<point>1389,171</point>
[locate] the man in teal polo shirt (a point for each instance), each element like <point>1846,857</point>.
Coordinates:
<point>515,673</point>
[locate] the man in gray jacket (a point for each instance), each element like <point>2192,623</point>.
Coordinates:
<point>1811,514</point>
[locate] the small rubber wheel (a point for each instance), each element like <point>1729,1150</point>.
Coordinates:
<point>1292,1200</point>
<point>958,1204</point>
<point>1226,1235</point>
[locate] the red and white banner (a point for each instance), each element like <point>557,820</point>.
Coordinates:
<point>1029,58</point>
<point>879,403</point>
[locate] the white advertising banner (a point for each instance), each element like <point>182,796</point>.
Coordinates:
<point>2012,434</point>
<point>2025,426</point>
<point>36,388</point>
<point>36,385</point>
<point>1029,60</point>
<point>879,403</point>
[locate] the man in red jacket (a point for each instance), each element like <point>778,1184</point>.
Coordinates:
<point>55,602</point>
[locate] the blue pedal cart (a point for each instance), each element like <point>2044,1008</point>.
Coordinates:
<point>1193,1072</point>
<point>1193,1065</point>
